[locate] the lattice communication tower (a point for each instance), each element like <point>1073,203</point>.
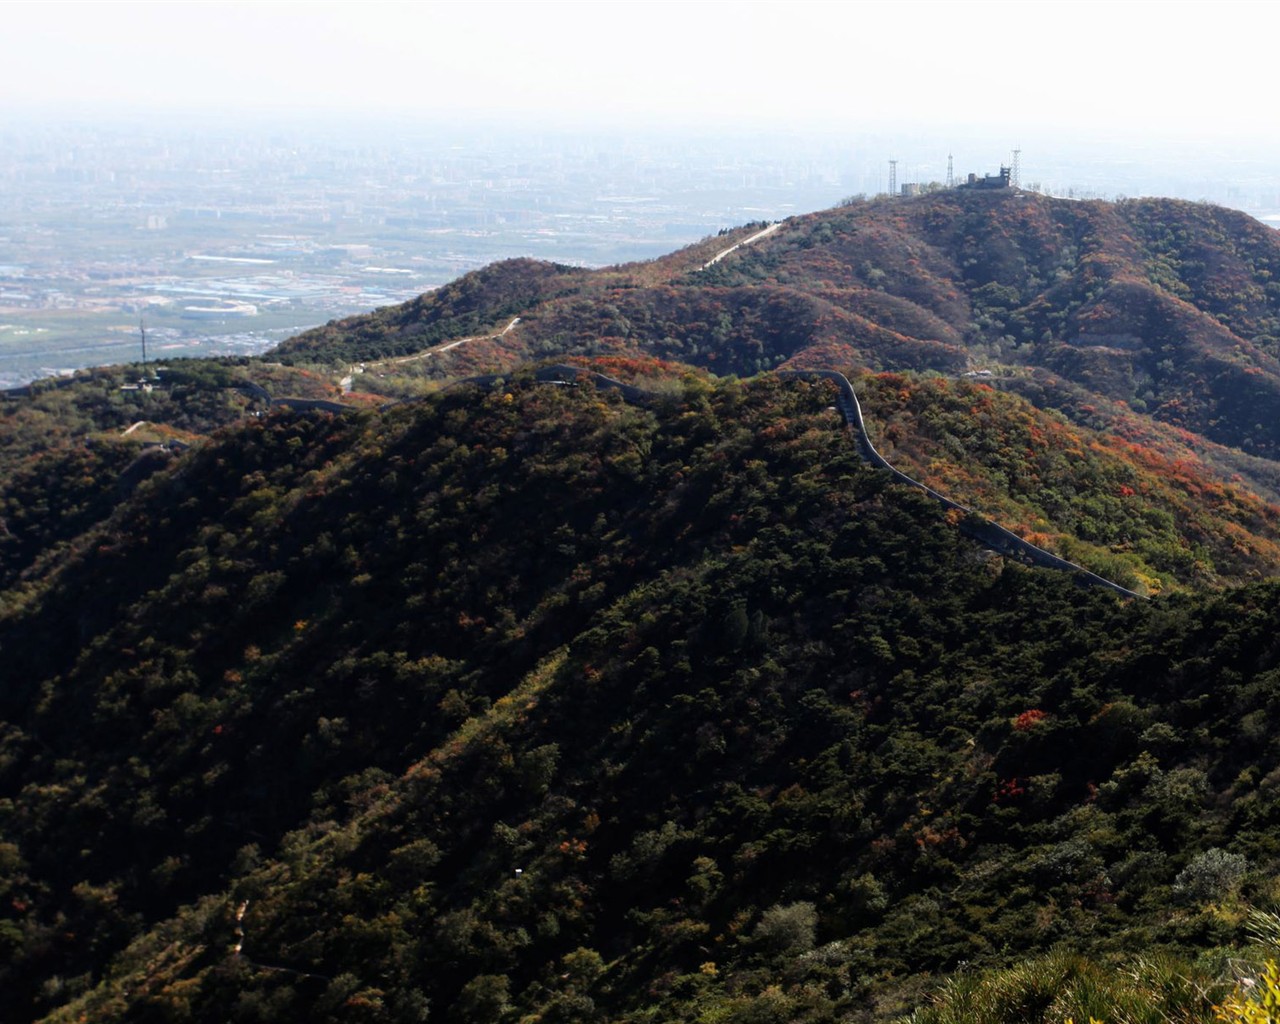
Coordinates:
<point>951,172</point>
<point>893,177</point>
<point>1015,178</point>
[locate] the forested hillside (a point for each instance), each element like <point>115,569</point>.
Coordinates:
<point>518,699</point>
<point>1169,307</point>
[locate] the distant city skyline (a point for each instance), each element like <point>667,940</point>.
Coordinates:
<point>1124,69</point>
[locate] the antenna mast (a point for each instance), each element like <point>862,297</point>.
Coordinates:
<point>142,327</point>
<point>893,177</point>
<point>1014,174</point>
<point>951,176</point>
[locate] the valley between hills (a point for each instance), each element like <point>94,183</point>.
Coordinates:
<point>547,648</point>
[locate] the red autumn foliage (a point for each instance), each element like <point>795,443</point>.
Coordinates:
<point>1029,719</point>
<point>1008,791</point>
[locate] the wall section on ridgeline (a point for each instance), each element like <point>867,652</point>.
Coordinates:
<point>986,532</point>
<point>974,525</point>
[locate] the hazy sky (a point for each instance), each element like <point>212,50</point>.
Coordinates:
<point>1114,67</point>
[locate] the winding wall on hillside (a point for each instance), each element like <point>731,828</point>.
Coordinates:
<point>975,525</point>
<point>986,532</point>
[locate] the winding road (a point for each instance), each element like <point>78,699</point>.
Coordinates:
<point>450,345</point>
<point>746,241</point>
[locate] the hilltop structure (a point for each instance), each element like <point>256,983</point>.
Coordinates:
<point>1001,180</point>
<point>1007,176</point>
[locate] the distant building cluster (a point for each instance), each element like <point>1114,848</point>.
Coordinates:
<point>986,181</point>
<point>1001,180</point>
<point>1007,177</point>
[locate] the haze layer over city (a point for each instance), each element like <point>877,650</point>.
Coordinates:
<point>225,227</point>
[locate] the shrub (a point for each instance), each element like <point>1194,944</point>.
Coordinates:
<point>1211,876</point>
<point>1029,719</point>
<point>788,928</point>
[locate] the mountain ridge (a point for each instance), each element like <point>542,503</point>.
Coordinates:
<point>1180,287</point>
<point>527,702</point>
